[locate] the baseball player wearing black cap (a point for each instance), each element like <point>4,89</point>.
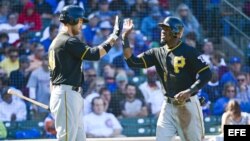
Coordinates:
<point>66,53</point>
<point>183,72</point>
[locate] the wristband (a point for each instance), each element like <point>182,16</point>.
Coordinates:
<point>125,43</point>
<point>107,47</point>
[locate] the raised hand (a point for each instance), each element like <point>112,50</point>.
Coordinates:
<point>127,27</point>
<point>118,26</point>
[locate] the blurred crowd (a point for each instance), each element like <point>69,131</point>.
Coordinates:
<point>111,89</point>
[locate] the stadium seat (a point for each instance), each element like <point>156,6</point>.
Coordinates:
<point>136,126</point>
<point>212,120</point>
<point>11,128</point>
<point>213,130</point>
<point>135,121</point>
<point>31,125</point>
<point>137,130</point>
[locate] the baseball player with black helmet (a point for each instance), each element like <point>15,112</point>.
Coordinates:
<point>182,72</point>
<point>66,53</point>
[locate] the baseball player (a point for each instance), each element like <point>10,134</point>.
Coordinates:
<point>182,72</point>
<point>65,58</point>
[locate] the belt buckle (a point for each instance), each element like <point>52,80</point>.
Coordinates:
<point>178,103</point>
<point>75,88</point>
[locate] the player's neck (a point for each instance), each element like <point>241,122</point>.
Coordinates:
<point>173,44</point>
<point>67,30</point>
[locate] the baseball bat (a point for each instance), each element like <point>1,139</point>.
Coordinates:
<point>18,93</point>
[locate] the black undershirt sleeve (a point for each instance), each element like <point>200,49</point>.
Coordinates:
<point>144,60</point>
<point>81,50</point>
<point>201,68</point>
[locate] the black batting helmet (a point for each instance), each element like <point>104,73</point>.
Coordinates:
<point>176,26</point>
<point>71,14</point>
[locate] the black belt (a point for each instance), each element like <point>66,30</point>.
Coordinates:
<point>175,102</point>
<point>74,88</point>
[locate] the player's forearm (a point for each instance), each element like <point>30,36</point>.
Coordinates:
<point>202,80</point>
<point>104,49</point>
<point>127,51</point>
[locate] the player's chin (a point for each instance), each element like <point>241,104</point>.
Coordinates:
<point>76,32</point>
<point>163,42</point>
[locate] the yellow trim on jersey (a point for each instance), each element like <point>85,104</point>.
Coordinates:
<point>83,55</point>
<point>171,49</point>
<point>200,118</point>
<point>65,103</point>
<point>133,61</point>
<point>203,69</point>
<point>144,62</point>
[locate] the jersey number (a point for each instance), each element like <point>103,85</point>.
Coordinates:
<point>179,62</point>
<point>52,60</point>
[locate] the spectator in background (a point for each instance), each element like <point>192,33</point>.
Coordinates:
<point>39,90</point>
<point>23,43</point>
<point>63,3</point>
<point>164,4</point>
<point>119,93</point>
<point>11,110</point>
<point>105,94</point>
<point>213,88</point>
<point>3,131</point>
<point>218,64</point>
<point>43,8</point>
<point>191,39</point>
<point>152,92</point>
<point>109,77</point>
<point>243,92</point>
<point>53,30</point>
<point>225,13</point>
<point>235,69</point>
<point>208,50</point>
<point>12,27</point>
<point>190,22</point>
<point>89,30</point>
<point>54,21</point>
<point>95,88</point>
<point>10,63</point>
<point>4,45</point>
<point>229,92</point>
<point>89,78</point>
<point>36,58</point>
<point>17,6</point>
<point>100,124</point>
<point>150,24</point>
<point>29,17</point>
<point>246,7</point>
<point>4,39</point>
<point>105,30</point>
<point>3,82</point>
<point>91,6</point>
<point>49,127</point>
<point>119,6</point>
<point>104,12</point>
<point>139,43</point>
<point>234,115</point>
<point>4,11</point>
<point>115,51</point>
<point>139,10</point>
<point>19,78</point>
<point>246,70</point>
<point>132,106</point>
